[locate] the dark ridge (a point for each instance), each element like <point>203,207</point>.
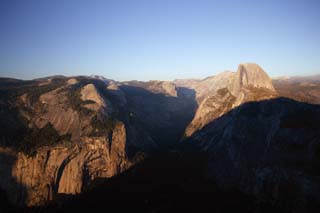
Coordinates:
<point>170,182</point>
<point>34,138</point>
<point>157,113</point>
<point>51,77</point>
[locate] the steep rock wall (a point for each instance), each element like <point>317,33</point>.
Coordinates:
<point>62,169</point>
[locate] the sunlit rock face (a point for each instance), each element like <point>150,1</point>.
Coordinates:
<point>90,93</point>
<point>62,169</point>
<point>60,136</point>
<point>250,75</point>
<point>219,94</point>
<point>207,86</point>
<point>158,87</point>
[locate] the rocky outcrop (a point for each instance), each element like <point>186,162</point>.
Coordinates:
<point>219,94</point>
<point>250,75</point>
<point>52,109</point>
<point>159,87</point>
<point>210,85</point>
<point>61,144</point>
<point>90,93</point>
<point>209,109</point>
<point>169,88</point>
<point>66,168</point>
<point>72,81</point>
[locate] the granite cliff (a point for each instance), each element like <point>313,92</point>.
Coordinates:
<point>219,94</point>
<point>58,135</point>
<point>61,135</point>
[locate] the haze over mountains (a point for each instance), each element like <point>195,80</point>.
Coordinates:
<point>255,135</point>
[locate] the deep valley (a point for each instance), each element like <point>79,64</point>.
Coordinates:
<point>236,141</point>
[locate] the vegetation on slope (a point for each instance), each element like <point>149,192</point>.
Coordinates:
<point>13,89</point>
<point>35,138</point>
<point>75,101</point>
<point>102,125</point>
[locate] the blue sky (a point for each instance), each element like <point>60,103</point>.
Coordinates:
<point>157,39</point>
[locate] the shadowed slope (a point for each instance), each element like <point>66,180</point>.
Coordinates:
<point>259,157</point>
<point>269,149</point>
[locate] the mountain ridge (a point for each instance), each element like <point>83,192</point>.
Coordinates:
<point>71,131</point>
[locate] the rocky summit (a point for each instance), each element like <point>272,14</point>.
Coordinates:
<point>236,141</point>
<point>219,94</point>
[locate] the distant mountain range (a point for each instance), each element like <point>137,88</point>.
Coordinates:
<point>310,78</point>
<point>68,141</point>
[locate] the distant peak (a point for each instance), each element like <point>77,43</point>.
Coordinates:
<point>102,78</point>
<point>249,64</point>
<point>252,68</point>
<point>251,75</point>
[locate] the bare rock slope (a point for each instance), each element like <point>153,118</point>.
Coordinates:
<point>221,93</point>
<point>58,137</point>
<point>60,134</point>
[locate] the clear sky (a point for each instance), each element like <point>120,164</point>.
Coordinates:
<point>157,39</point>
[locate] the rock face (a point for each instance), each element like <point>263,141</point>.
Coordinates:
<point>59,137</point>
<point>90,93</point>
<point>209,109</point>
<point>203,88</point>
<point>72,81</point>
<point>62,169</point>
<point>53,110</point>
<point>250,75</point>
<point>219,94</point>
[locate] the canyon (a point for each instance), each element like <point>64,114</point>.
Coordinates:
<point>260,136</point>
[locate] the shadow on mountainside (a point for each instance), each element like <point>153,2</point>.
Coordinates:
<point>269,148</point>
<point>171,182</point>
<point>164,117</point>
<point>177,181</point>
<point>163,123</point>
<point>18,193</point>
